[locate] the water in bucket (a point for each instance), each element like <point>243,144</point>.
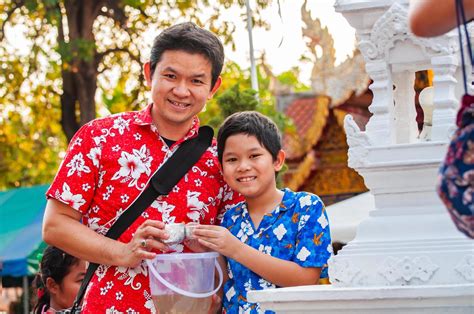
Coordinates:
<point>183,283</point>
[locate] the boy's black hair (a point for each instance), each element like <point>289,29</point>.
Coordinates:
<point>190,38</point>
<point>250,123</point>
<point>56,264</point>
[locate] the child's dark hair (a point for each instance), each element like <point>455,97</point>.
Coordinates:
<point>250,123</point>
<point>190,38</point>
<point>55,264</point>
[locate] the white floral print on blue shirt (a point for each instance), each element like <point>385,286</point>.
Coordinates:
<point>297,231</point>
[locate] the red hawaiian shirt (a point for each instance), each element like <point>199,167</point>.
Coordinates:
<point>108,164</point>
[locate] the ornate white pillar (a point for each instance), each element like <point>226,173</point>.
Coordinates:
<point>378,127</point>
<point>445,100</point>
<point>407,257</point>
<point>405,127</point>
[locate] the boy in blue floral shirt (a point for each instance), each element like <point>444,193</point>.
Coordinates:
<point>275,238</point>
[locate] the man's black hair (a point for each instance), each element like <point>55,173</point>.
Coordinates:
<point>250,123</point>
<point>192,39</point>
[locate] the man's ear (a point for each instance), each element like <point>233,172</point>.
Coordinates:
<point>52,286</point>
<point>147,73</point>
<point>215,87</point>
<point>279,161</point>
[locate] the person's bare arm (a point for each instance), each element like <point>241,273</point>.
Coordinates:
<point>429,18</point>
<point>277,271</point>
<point>63,229</point>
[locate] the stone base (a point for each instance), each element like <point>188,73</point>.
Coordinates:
<point>433,299</point>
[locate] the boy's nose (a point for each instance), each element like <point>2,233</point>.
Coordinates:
<point>243,166</point>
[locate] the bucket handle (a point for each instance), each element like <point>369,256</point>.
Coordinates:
<point>184,292</point>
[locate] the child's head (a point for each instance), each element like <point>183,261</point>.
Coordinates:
<point>249,150</point>
<point>58,279</point>
<point>251,123</point>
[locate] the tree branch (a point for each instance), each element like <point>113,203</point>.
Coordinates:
<point>17,5</point>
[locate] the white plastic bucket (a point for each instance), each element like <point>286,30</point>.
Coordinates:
<point>187,274</point>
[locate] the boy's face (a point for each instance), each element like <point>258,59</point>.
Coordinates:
<point>248,167</point>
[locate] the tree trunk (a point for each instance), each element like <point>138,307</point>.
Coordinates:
<point>79,70</point>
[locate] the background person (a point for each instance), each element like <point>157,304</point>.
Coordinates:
<point>429,18</point>
<point>58,280</point>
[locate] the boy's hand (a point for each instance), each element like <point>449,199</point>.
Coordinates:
<point>195,246</point>
<point>217,239</point>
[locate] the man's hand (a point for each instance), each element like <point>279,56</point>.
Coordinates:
<point>147,238</point>
<point>218,239</point>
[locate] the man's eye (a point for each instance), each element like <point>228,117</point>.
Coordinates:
<point>171,76</point>
<point>198,82</point>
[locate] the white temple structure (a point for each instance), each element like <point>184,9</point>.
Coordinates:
<point>407,257</point>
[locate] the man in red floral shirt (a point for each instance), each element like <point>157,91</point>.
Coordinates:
<point>110,161</point>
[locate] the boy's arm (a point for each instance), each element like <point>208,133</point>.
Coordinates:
<point>277,271</point>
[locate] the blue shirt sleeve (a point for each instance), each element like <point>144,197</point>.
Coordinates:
<point>313,241</point>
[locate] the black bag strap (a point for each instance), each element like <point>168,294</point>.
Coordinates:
<point>187,154</point>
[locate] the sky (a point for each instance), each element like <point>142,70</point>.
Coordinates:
<point>289,29</point>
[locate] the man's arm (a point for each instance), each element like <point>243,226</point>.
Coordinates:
<point>429,18</point>
<point>62,228</point>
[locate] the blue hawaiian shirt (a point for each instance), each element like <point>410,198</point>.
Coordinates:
<point>297,230</point>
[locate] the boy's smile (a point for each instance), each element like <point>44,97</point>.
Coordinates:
<point>246,179</point>
<point>249,167</point>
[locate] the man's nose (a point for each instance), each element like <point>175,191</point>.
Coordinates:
<point>181,90</point>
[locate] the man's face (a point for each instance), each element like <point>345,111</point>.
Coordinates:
<point>180,87</point>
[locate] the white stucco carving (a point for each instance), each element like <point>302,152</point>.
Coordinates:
<point>344,272</point>
<point>403,270</point>
<point>391,27</point>
<point>466,267</point>
<point>357,141</point>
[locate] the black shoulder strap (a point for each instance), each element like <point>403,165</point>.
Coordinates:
<point>161,183</point>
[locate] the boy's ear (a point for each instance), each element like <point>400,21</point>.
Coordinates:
<point>279,161</point>
<point>147,73</point>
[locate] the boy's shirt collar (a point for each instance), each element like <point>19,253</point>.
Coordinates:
<point>268,219</point>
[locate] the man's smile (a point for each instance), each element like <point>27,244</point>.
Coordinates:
<point>179,104</point>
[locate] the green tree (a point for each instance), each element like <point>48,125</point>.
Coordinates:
<point>75,49</point>
<point>236,95</point>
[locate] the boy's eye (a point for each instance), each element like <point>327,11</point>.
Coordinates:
<point>232,159</point>
<point>255,156</point>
